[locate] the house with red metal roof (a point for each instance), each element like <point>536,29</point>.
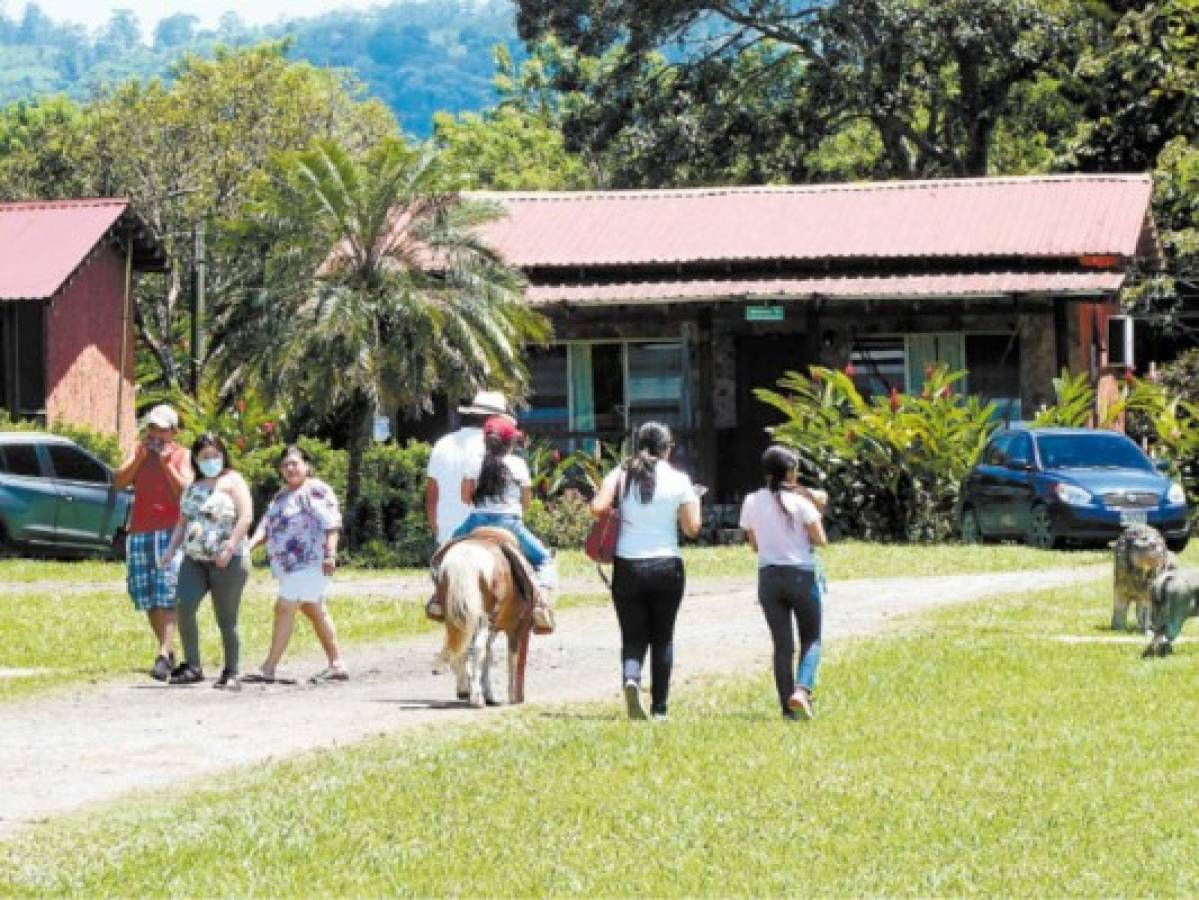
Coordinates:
<point>675,304</point>
<point>66,310</point>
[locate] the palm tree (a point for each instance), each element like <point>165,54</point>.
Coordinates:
<point>405,300</point>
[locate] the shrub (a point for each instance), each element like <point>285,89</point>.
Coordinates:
<point>562,521</point>
<point>100,443</point>
<point>892,465</point>
<point>391,516</point>
<point>244,423</point>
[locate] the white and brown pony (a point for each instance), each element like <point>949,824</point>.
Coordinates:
<point>481,594</point>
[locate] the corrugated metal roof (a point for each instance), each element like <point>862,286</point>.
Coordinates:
<point>43,243</point>
<point>993,284</point>
<point>1035,217</point>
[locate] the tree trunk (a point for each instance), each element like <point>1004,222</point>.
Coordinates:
<point>361,412</point>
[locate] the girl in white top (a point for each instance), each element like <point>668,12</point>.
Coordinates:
<point>782,521</point>
<point>655,500</point>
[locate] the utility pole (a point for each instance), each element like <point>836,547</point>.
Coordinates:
<point>199,269</point>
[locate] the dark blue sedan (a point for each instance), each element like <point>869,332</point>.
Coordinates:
<point>1052,485</point>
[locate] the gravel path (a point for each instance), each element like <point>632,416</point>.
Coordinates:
<point>65,751</point>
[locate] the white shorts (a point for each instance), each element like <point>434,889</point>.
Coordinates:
<point>303,586</point>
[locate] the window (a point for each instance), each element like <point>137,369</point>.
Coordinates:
<point>879,364</point>
<point>656,387</point>
<point>21,459</point>
<point>926,351</point>
<point>72,464</point>
<point>549,390</point>
<point>1021,450</point>
<point>604,388</point>
<point>998,451</point>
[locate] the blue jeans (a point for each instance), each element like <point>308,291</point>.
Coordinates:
<point>792,594</point>
<point>532,548</point>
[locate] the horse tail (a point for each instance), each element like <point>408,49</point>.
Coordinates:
<point>462,573</point>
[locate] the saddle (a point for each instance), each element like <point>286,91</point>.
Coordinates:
<point>504,543</point>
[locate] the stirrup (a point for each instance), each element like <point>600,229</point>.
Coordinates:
<point>543,619</point>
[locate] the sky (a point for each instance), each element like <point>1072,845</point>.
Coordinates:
<point>94,13</point>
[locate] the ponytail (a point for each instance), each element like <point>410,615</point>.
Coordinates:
<point>494,477</point>
<point>654,441</point>
<point>777,465</point>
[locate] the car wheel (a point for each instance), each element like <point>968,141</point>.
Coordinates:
<point>1040,529</point>
<point>118,546</point>
<point>968,527</point>
<point>1179,544</point>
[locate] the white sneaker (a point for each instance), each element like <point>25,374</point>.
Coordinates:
<point>632,700</point>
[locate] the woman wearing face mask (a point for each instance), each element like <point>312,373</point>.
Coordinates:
<point>216,512</point>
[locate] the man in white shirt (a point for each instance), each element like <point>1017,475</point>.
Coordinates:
<point>450,463</point>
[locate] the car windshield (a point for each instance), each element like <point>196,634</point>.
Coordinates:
<point>1090,451</point>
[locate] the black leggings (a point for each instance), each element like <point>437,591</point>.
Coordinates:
<point>647,594</point>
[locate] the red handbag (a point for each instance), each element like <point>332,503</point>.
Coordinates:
<point>600,545</point>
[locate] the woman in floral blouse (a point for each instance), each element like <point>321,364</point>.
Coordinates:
<point>300,528</point>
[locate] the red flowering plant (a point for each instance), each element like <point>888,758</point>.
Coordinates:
<point>892,463</point>
<point>243,421</point>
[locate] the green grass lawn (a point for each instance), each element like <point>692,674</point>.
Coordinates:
<point>95,636</point>
<point>973,751</point>
<point>76,639</point>
<point>845,559</point>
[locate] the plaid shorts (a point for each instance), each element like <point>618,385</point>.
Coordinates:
<point>150,587</point>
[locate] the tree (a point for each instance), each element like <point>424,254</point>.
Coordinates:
<point>381,291</point>
<point>175,31</point>
<point>1138,92</point>
<point>187,155</point>
<point>932,80</point>
<point>516,145</point>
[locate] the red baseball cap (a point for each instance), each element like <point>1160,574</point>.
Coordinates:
<point>503,428</point>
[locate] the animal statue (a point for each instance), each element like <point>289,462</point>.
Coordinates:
<point>1175,597</point>
<point>1141,556</point>
<point>484,584</point>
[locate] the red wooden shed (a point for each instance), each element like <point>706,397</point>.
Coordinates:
<point>66,310</point>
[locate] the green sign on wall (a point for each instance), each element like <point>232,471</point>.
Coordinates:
<point>764,314</point>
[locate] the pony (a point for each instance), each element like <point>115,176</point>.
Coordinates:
<point>480,590</point>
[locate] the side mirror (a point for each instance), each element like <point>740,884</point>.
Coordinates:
<point>1162,465</point>
<point>1021,465</point>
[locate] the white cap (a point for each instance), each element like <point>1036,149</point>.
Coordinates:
<point>161,416</point>
<point>487,403</point>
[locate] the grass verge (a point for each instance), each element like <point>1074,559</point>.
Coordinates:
<point>74,639</point>
<point>973,751</point>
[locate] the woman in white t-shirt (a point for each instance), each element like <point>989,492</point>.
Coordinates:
<point>655,500</point>
<point>783,523</point>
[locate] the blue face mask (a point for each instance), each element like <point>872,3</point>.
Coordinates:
<point>212,467</point>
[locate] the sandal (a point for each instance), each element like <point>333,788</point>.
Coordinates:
<point>256,677</point>
<point>185,673</point>
<point>329,674</point>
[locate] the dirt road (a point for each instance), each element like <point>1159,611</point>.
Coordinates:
<point>65,751</point>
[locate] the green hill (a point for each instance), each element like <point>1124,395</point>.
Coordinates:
<point>418,57</point>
